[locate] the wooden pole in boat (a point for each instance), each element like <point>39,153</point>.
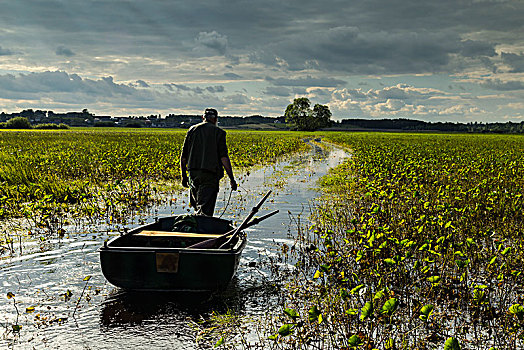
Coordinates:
<point>224,239</point>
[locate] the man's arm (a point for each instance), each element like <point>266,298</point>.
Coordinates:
<point>183,160</point>
<point>229,171</point>
<point>183,170</point>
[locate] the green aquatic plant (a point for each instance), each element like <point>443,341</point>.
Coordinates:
<point>417,243</point>
<point>48,176</point>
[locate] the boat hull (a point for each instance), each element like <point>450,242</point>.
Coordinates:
<point>133,262</point>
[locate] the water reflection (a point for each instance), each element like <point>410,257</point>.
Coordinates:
<point>107,317</point>
<point>133,308</point>
<point>249,293</point>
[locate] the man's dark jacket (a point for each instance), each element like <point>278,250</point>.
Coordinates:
<point>204,145</point>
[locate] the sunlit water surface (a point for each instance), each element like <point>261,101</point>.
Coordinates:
<point>108,318</point>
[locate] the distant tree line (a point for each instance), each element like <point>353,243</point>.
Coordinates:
<point>24,123</point>
<point>418,125</point>
<point>298,116</point>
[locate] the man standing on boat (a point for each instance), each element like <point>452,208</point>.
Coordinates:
<point>205,156</point>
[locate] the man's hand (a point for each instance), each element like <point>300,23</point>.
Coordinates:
<point>233,184</point>
<point>185,181</point>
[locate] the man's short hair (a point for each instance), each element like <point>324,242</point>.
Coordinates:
<point>210,113</point>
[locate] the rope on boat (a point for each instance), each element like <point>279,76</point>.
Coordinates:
<point>227,204</point>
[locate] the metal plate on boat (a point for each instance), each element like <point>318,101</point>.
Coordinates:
<point>167,262</point>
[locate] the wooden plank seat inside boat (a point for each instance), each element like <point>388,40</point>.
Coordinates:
<point>164,239</point>
<point>176,234</point>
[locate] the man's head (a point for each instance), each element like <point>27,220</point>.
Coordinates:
<point>210,115</point>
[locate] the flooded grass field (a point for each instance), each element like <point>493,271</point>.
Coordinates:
<point>414,242</point>
<point>55,295</point>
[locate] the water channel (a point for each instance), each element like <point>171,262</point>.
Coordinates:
<point>62,300</point>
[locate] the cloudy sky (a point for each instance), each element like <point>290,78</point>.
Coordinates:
<point>446,60</point>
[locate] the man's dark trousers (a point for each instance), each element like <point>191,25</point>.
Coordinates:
<point>203,191</point>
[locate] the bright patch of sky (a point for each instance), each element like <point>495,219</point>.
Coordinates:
<point>432,60</point>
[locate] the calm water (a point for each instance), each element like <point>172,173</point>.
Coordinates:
<point>107,317</point>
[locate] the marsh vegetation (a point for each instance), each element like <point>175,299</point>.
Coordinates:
<point>415,241</point>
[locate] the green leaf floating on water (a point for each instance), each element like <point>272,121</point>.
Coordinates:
<point>366,311</point>
<point>352,312</point>
<point>390,306</point>
<point>291,313</point>
<point>379,294</point>
<point>451,344</point>
<point>219,342</point>
<point>356,289</point>
<point>285,329</point>
<point>390,261</point>
<point>354,341</point>
<point>426,311</point>
<point>517,310</point>
<point>434,279</point>
<point>313,314</point>
<point>462,263</point>
<point>360,255</point>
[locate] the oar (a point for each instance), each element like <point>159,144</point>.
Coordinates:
<point>224,239</point>
<point>251,223</point>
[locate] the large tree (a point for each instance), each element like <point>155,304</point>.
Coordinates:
<point>300,116</point>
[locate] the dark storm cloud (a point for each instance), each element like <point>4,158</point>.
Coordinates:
<point>277,91</point>
<point>5,52</point>
<point>372,36</point>
<point>299,44</point>
<point>56,82</point>
<point>496,84</point>
<point>197,90</point>
<point>48,89</point>
<point>212,40</point>
<point>64,51</point>
<point>215,89</point>
<point>471,48</point>
<point>515,61</point>
<point>141,83</point>
<point>232,76</point>
<point>306,81</point>
<point>350,49</point>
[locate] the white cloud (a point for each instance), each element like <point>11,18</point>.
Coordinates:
<point>519,105</point>
<point>403,101</point>
<point>461,110</point>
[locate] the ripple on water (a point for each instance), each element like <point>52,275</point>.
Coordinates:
<point>108,318</point>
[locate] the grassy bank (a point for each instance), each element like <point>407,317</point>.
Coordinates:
<point>91,172</point>
<point>417,244</point>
